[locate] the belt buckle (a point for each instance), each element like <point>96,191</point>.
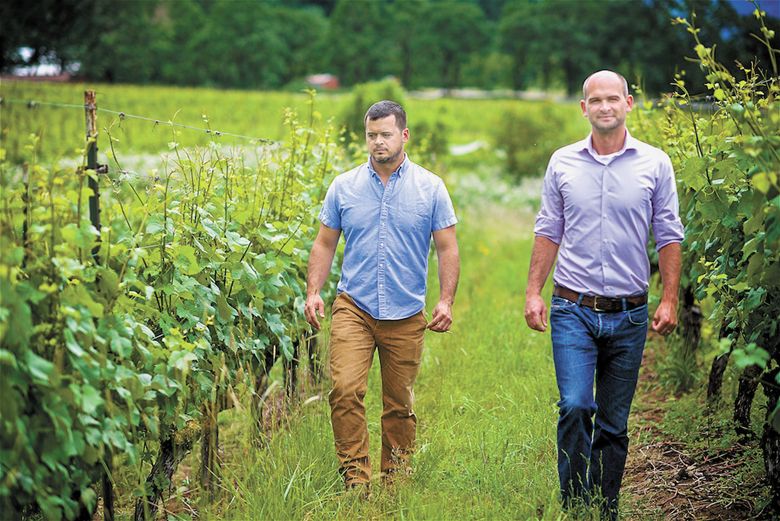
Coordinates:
<point>596,304</point>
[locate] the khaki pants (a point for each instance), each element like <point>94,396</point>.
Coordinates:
<point>354,335</point>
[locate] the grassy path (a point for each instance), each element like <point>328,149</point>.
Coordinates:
<point>485,401</point>
<point>486,435</point>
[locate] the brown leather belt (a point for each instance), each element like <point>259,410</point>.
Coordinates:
<point>599,303</point>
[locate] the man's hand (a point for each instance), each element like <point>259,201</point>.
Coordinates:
<point>314,306</point>
<point>665,318</point>
<point>321,258</point>
<point>441,321</point>
<point>542,259</point>
<point>535,312</point>
<point>670,266</point>
<point>449,271</point>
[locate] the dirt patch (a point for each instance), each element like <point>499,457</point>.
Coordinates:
<point>667,479</point>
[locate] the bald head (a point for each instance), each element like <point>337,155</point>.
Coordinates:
<point>604,75</point>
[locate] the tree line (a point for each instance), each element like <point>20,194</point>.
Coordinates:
<point>272,44</point>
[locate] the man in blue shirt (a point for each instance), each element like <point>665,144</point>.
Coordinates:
<point>387,208</point>
<point>600,197</point>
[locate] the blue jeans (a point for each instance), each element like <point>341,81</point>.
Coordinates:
<point>607,348</point>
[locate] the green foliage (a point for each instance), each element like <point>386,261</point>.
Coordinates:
<point>450,33</point>
<point>484,399</point>
<point>424,43</point>
<point>127,61</point>
<point>727,165</point>
<point>529,135</point>
<point>205,43</point>
<point>429,144</point>
<point>255,114</point>
<point>750,355</point>
<point>421,42</point>
<point>358,40</point>
<point>707,433</point>
<point>301,56</point>
<point>198,274</point>
<point>241,48</point>
<point>557,43</point>
<point>679,370</point>
<point>362,97</point>
<point>435,124</point>
<point>492,71</point>
<point>519,37</point>
<point>410,60</point>
<point>429,133</point>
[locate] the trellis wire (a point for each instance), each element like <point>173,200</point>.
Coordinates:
<point>31,104</point>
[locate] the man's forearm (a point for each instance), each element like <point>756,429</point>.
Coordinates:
<point>320,261</point>
<point>670,266</point>
<point>449,272</point>
<point>542,259</point>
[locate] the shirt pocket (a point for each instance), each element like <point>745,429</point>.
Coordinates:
<point>414,215</point>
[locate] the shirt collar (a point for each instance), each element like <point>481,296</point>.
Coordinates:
<point>400,170</point>
<point>630,143</point>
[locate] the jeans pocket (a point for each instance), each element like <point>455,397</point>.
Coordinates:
<point>561,304</point>
<point>638,316</point>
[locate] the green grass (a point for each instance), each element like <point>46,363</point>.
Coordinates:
<point>486,392</point>
<point>255,114</point>
<point>485,400</point>
<point>252,113</point>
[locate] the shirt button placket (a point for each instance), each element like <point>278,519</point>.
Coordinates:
<point>604,240</point>
<point>382,258</point>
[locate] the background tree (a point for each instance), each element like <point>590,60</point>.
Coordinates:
<point>245,48</point>
<point>360,46</point>
<point>51,26</point>
<point>549,44</point>
<point>407,27</point>
<point>451,32</point>
<point>520,37</point>
<point>641,45</point>
<point>111,51</point>
<point>494,8</point>
<point>302,55</point>
<point>187,35</point>
<point>576,32</point>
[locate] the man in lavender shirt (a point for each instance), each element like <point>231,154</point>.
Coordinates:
<point>600,197</point>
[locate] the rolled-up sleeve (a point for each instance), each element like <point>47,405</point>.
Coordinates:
<point>667,226</point>
<point>330,215</point>
<point>550,219</point>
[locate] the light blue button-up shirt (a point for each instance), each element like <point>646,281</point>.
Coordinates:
<point>599,210</point>
<point>387,229</point>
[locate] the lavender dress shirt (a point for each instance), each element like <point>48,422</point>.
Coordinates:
<point>599,210</point>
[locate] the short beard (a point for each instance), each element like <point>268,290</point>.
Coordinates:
<point>388,159</point>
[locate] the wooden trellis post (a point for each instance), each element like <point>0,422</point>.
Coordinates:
<point>90,111</point>
<point>90,114</point>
